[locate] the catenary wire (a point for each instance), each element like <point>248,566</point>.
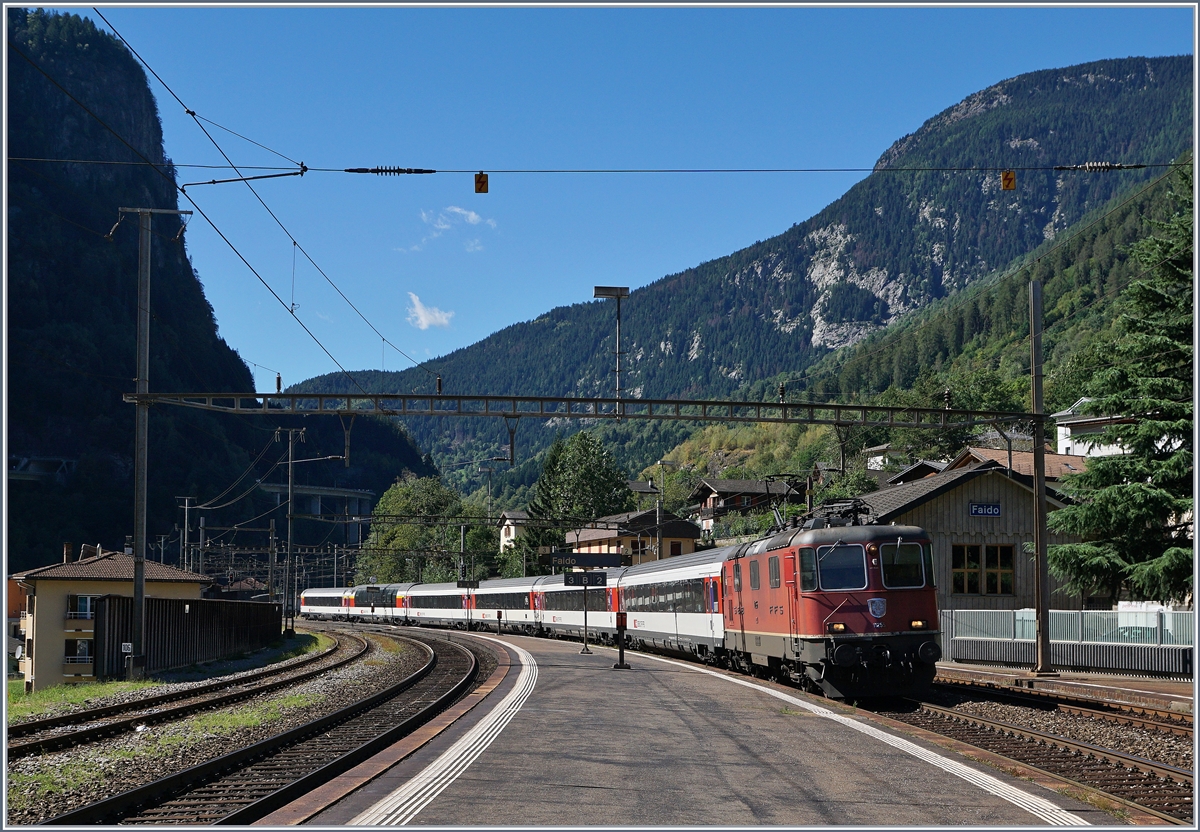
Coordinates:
<point>278,222</point>
<point>234,484</point>
<point>158,169</point>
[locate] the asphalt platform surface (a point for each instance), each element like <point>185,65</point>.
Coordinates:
<point>572,741</point>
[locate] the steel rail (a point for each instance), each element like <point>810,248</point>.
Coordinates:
<point>33,726</point>
<point>128,804</point>
<point>1159,719</point>
<point>1116,757</point>
<point>569,407</point>
<point>95,733</point>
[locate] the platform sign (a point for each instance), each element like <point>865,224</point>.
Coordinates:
<point>985,509</point>
<point>468,584</point>
<point>581,559</point>
<point>585,579</point>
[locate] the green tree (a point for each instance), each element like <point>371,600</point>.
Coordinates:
<point>403,551</point>
<point>1134,510</point>
<point>580,481</point>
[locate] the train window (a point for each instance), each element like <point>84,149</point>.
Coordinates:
<point>930,575</point>
<point>754,574</point>
<point>773,570</point>
<point>843,566</point>
<point>901,564</point>
<point>737,577</point>
<point>808,570</point>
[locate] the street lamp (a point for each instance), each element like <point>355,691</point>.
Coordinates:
<point>617,292</point>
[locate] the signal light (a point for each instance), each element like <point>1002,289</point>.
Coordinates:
<point>481,183</point>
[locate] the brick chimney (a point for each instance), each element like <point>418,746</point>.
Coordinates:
<point>67,552</point>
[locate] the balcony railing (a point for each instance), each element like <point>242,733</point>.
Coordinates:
<point>90,614</point>
<point>77,659</point>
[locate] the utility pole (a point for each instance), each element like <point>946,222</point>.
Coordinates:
<point>200,551</point>
<point>1041,581</point>
<point>617,292</point>
<point>289,613</point>
<point>271,565</point>
<point>141,435</point>
<point>185,553</point>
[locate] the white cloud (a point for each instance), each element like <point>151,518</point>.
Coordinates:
<point>423,317</point>
<point>442,221</point>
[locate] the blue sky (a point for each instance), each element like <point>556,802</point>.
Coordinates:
<point>434,266</point>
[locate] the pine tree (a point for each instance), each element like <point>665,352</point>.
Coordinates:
<point>1134,511</point>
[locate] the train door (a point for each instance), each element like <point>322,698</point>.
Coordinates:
<point>793,602</point>
<point>735,610</point>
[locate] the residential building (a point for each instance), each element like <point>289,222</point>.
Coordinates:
<point>717,497</point>
<point>60,610</point>
<point>636,534</point>
<point>1057,465</point>
<point>1081,435</point>
<point>512,525</point>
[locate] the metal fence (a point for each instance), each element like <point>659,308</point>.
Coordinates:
<point>1109,640</point>
<point>182,632</point>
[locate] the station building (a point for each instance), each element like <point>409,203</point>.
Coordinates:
<point>980,518</point>
<point>59,617</point>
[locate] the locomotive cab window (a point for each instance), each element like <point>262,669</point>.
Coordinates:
<point>754,574</point>
<point>808,570</point>
<point>902,565</point>
<point>843,566</point>
<point>737,577</point>
<point>773,570</point>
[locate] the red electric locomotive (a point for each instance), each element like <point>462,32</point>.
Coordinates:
<point>843,608</point>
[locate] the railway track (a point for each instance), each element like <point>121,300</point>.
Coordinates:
<point>1122,713</point>
<point>1162,790</point>
<point>45,735</point>
<point>243,786</point>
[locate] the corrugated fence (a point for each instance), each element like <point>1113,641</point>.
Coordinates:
<point>1143,643</point>
<point>182,632</point>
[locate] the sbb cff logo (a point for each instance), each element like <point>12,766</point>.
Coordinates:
<point>985,509</point>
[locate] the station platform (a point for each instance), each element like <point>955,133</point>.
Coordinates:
<point>566,739</point>
<point>1168,694</point>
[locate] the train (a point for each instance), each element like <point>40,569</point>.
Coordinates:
<point>841,608</point>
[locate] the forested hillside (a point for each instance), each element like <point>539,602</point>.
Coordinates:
<point>72,313</point>
<point>929,222</point>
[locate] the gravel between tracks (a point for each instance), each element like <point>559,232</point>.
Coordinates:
<point>47,785</point>
<point>1160,747</point>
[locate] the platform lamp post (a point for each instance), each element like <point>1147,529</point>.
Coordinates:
<point>617,292</point>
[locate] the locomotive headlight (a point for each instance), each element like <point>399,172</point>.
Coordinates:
<point>918,625</point>
<point>836,627</point>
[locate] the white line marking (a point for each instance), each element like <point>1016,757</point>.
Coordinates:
<point>1039,806</point>
<point>402,805</point>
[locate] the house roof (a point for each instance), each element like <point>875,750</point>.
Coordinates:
<point>1057,465</point>
<point>635,522</point>
<point>918,470</point>
<point>1072,416</point>
<point>640,487</point>
<point>513,515</point>
<point>732,487</point>
<point>888,503</point>
<point>109,566</point>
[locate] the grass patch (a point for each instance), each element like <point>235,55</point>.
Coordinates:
<point>27,790</point>
<point>22,706</point>
<point>388,645</point>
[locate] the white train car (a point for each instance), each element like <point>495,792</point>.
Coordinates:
<point>675,604</point>
<point>326,603</point>
<point>509,599</point>
<point>561,606</point>
<point>439,605</point>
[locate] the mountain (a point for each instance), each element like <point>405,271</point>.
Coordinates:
<point>72,303</point>
<point>924,225</point>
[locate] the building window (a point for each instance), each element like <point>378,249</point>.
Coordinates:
<point>982,570</point>
<point>676,548</point>
<point>637,547</point>
<point>746,500</point>
<point>998,570</point>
